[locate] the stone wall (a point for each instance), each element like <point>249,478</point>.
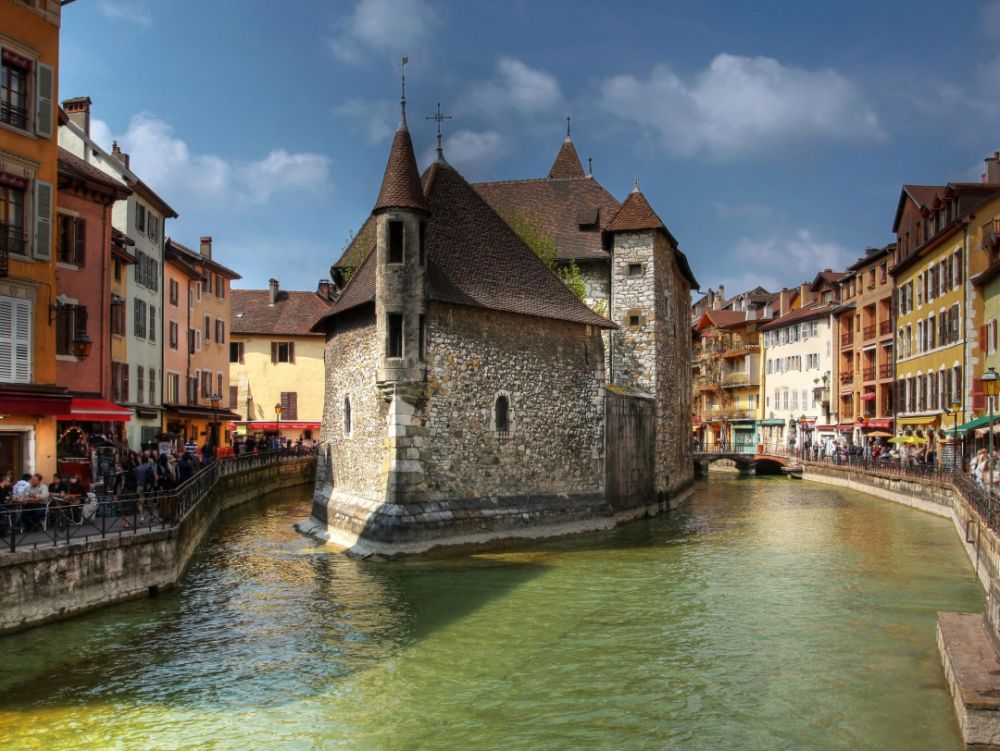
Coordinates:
<point>354,462</point>
<point>674,465</point>
<point>633,308</point>
<point>550,371</point>
<point>51,583</point>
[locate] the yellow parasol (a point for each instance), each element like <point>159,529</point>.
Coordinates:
<point>914,439</point>
<point>880,434</point>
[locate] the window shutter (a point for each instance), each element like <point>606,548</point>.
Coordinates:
<point>982,338</point>
<point>81,242</point>
<point>234,393</point>
<point>274,353</point>
<point>978,396</point>
<point>291,352</point>
<point>293,404</point>
<point>22,341</point>
<point>43,101</point>
<point>7,339</point>
<point>125,375</point>
<point>43,220</point>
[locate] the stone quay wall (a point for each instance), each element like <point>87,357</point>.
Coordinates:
<point>52,583</point>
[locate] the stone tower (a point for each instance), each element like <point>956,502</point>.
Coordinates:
<point>650,301</point>
<point>400,213</point>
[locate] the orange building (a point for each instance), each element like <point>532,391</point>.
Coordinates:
<point>196,345</point>
<point>30,400</point>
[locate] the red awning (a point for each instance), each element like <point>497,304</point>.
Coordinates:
<point>868,397</point>
<point>33,404</point>
<point>96,410</point>
<point>271,424</point>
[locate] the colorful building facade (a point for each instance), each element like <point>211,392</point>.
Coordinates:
<point>30,398</point>
<point>275,359</point>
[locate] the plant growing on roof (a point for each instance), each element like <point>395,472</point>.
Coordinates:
<point>544,246</point>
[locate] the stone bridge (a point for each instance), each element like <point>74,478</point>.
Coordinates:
<point>745,462</point>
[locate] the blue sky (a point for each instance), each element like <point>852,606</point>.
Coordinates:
<point>772,138</point>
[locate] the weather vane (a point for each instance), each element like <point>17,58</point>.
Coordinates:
<point>438,117</point>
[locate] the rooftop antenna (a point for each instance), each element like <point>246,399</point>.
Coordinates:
<point>402,83</point>
<point>567,129</point>
<point>438,117</point>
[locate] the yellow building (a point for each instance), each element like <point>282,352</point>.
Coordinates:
<point>939,349</point>
<point>275,360</point>
<point>29,308</point>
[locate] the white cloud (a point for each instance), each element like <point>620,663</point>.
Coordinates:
<point>516,86</point>
<point>382,26</point>
<point>127,10</point>
<point>783,260</point>
<point>166,163</point>
<point>471,152</point>
<point>741,107</point>
<point>377,118</point>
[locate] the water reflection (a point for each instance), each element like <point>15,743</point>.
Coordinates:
<point>768,614</point>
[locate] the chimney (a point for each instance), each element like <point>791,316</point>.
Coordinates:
<point>722,294</point>
<point>78,110</point>
<point>272,288</point>
<point>784,302</point>
<point>206,247</point>
<point>118,154</point>
<point>805,296</point>
<point>992,175</point>
<point>324,289</point>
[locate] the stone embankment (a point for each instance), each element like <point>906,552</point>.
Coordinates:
<point>969,643</point>
<point>54,582</point>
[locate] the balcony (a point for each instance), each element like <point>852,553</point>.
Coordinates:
<point>731,380</point>
<point>885,327</point>
<point>885,370</point>
<point>738,349</point>
<point>869,332</point>
<point>821,394</point>
<point>846,379</point>
<point>990,232</point>
<point>13,239</point>
<point>846,340</point>
<point>868,374</point>
<point>16,116</point>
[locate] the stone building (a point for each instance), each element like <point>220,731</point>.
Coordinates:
<point>467,389</point>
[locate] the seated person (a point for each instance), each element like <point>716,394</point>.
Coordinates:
<point>34,503</point>
<point>58,486</point>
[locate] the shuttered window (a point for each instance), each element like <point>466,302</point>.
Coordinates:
<point>140,382</point>
<point>139,319</point>
<point>236,352</point>
<point>42,247</point>
<point>173,335</point>
<point>15,340</point>
<point>289,405</point>
<point>44,112</point>
<point>220,331</point>
<point>234,395</point>
<point>72,240</point>
<point>152,323</point>
<point>282,352</point>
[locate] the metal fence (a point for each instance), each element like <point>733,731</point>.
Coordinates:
<point>99,516</point>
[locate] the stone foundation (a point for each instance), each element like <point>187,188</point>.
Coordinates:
<point>972,668</point>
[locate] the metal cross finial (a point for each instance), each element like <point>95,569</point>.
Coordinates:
<point>438,117</point>
<point>590,166</point>
<point>635,182</point>
<point>567,128</point>
<point>402,86</point>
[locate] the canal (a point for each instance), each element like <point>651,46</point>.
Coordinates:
<point>769,614</point>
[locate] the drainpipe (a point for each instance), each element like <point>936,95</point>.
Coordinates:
<point>966,393</point>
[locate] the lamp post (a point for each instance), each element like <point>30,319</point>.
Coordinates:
<point>277,421</point>
<point>991,387</point>
<point>956,460</point>
<point>803,422</point>
<point>215,399</point>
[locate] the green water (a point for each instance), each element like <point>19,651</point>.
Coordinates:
<point>770,614</point>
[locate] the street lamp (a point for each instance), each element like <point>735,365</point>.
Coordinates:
<point>215,399</point>
<point>991,387</point>
<point>803,422</point>
<point>953,410</point>
<point>277,420</point>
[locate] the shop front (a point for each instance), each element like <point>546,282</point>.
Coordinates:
<point>196,426</point>
<point>28,428</point>
<point>266,433</point>
<point>88,425</point>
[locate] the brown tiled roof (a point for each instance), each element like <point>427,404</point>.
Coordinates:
<point>401,181</point>
<point>293,313</point>
<point>73,166</point>
<point>359,247</point>
<point>475,259</point>
<point>567,163</point>
<point>557,208</point>
<point>636,214</point>
<point>805,313</point>
<point>721,318</point>
<point>828,276</point>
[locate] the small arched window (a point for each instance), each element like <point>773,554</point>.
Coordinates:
<point>347,415</point>
<point>501,416</point>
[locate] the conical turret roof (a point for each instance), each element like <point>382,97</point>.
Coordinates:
<point>401,187</point>
<point>635,214</point>
<point>567,163</point>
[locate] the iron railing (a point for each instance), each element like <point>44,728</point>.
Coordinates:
<point>13,115</point>
<point>61,522</point>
